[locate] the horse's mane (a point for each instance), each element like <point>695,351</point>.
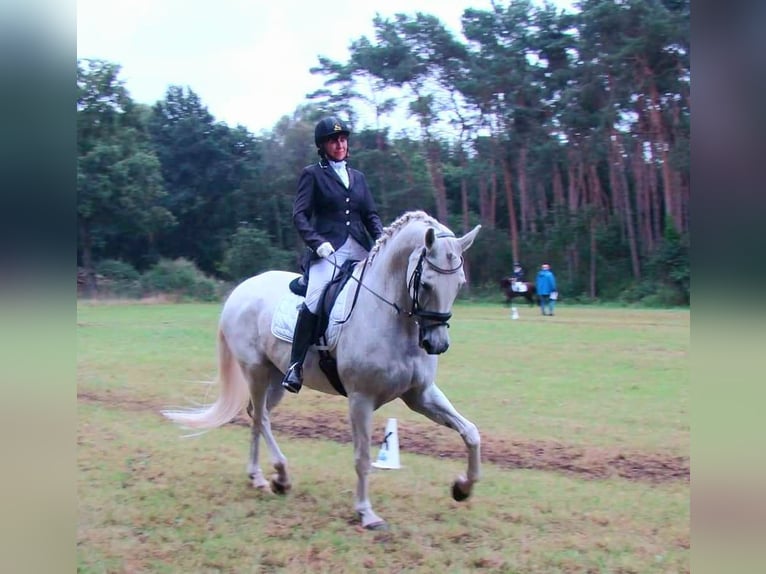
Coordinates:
<point>397,225</point>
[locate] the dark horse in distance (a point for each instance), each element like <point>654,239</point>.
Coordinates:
<point>512,289</point>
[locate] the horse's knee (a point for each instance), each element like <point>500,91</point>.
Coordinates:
<point>362,466</point>
<point>471,436</point>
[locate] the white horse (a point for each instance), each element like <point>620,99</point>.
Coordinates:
<point>386,349</point>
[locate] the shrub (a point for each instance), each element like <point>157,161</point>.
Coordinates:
<point>180,278</point>
<point>250,251</point>
<point>665,296</point>
<point>635,292</point>
<point>119,278</point>
<point>650,293</point>
<point>117,270</point>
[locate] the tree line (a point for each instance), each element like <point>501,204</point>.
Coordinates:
<point>565,134</point>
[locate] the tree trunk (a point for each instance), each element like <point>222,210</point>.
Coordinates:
<point>433,156</point>
<point>576,181</point>
<point>630,224</point>
<point>542,208</point>
<point>661,145</point>
<point>492,211</point>
<point>465,212</point>
<point>512,225</point>
<point>593,258</point>
<point>464,192</point>
<point>464,205</point>
<point>617,208</point>
<point>524,203</point>
<point>593,194</point>
<point>558,193</point>
<point>575,173</point>
<point>682,204</point>
<point>483,199</point>
<point>86,248</point>
<point>617,168</point>
<point>653,176</point>
<point>643,209</point>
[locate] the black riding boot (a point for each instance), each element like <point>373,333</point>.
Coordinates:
<point>302,339</point>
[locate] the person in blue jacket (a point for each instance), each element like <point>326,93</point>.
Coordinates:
<point>546,289</point>
<point>337,219</point>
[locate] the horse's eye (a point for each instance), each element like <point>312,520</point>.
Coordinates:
<point>425,286</point>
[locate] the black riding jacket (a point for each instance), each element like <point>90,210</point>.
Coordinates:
<point>337,212</point>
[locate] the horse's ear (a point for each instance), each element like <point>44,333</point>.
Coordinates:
<point>430,237</point>
<point>467,240</point>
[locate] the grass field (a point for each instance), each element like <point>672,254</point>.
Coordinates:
<point>585,417</point>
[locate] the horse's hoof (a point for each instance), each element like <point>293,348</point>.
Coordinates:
<point>457,493</point>
<point>378,526</point>
<point>258,482</point>
<point>280,487</point>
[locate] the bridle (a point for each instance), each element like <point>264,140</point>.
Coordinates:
<point>434,318</point>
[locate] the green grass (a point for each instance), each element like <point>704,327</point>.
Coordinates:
<point>150,501</point>
<point>587,376</point>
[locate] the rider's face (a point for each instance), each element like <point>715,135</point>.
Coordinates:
<point>336,147</point>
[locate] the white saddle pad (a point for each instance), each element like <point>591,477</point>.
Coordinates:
<point>286,315</point>
<point>519,287</point>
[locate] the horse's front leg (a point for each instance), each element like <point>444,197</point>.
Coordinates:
<point>360,411</point>
<point>433,403</point>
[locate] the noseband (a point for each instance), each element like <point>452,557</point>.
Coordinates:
<point>435,318</point>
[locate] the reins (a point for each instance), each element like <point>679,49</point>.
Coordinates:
<point>360,284</point>
<point>414,283</point>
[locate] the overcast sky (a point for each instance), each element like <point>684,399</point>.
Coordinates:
<point>248,60</point>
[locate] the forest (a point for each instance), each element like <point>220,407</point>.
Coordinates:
<point>565,134</point>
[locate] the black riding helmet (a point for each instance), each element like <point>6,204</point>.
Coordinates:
<point>327,127</point>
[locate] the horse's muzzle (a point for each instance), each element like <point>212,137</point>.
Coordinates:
<point>434,348</point>
<point>432,326</point>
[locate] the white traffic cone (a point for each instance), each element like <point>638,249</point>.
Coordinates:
<point>388,456</point>
<point>514,313</point>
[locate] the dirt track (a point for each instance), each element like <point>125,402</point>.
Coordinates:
<point>429,440</point>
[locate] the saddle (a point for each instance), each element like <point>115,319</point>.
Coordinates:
<point>327,362</point>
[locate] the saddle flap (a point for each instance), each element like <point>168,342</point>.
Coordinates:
<point>331,310</point>
<point>331,292</point>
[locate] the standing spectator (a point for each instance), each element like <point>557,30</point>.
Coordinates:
<point>546,289</point>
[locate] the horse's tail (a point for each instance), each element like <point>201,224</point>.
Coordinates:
<point>233,395</point>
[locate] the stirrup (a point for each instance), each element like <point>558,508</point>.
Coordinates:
<point>290,384</point>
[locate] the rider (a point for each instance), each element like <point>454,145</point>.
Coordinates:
<point>344,219</point>
<point>518,277</point>
<point>518,271</point>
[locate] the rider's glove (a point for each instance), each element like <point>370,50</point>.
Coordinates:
<point>325,250</point>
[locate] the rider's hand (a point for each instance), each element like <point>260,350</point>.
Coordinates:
<point>325,250</point>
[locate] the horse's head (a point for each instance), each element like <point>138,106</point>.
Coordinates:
<point>435,274</point>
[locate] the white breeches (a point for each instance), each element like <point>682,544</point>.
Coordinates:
<point>322,271</point>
